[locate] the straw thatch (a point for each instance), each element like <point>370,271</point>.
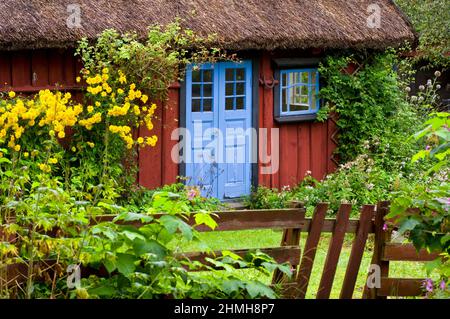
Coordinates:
<point>239,24</point>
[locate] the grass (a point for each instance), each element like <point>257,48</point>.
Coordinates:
<point>271,238</point>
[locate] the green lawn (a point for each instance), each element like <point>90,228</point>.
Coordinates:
<point>270,238</point>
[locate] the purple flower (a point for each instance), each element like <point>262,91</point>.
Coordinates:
<point>192,193</point>
<point>428,148</point>
<point>428,284</point>
<point>442,285</point>
<point>385,227</point>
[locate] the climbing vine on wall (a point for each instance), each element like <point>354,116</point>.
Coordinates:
<point>366,93</point>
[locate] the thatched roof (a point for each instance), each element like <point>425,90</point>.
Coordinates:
<point>239,24</point>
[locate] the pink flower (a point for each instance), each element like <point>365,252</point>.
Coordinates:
<point>428,284</point>
<point>385,227</point>
<point>428,148</point>
<point>192,193</point>
<point>442,285</point>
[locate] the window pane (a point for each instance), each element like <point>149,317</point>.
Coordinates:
<point>313,100</point>
<point>207,105</point>
<point>284,79</point>
<point>239,103</point>
<point>298,101</point>
<point>196,105</point>
<point>304,100</point>
<point>196,90</point>
<point>298,107</point>
<point>305,76</point>
<point>196,76</point>
<point>207,75</point>
<point>207,90</point>
<point>229,74</point>
<point>229,89</point>
<point>313,78</point>
<point>291,78</point>
<point>303,90</point>
<point>240,74</point>
<point>240,88</point>
<point>229,103</point>
<point>283,100</point>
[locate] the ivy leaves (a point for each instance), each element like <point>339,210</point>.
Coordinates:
<point>367,100</point>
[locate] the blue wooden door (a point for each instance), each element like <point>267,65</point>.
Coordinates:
<point>218,117</point>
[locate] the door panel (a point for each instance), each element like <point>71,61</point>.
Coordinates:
<point>201,94</point>
<point>234,120</point>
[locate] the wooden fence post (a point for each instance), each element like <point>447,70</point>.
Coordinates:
<point>381,237</point>
<point>309,252</point>
<point>334,251</point>
<point>291,237</point>
<point>359,244</point>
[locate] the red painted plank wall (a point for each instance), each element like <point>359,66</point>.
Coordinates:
<point>31,71</point>
<point>303,146</point>
<point>156,167</point>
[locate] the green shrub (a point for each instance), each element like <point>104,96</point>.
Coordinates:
<point>428,226</point>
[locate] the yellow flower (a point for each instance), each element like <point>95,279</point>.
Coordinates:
<point>119,91</point>
<point>17,148</point>
<point>138,94</point>
<point>52,160</point>
<point>91,145</point>
<point>97,104</point>
<point>44,168</point>
<point>136,110</point>
<point>61,134</point>
<point>144,98</point>
<point>74,149</point>
<point>12,94</point>
<point>105,70</point>
<point>104,94</point>
<point>132,86</point>
<point>26,154</point>
<point>90,108</point>
<point>151,140</point>
<point>51,133</point>
<point>140,140</point>
<point>122,77</point>
<point>78,79</point>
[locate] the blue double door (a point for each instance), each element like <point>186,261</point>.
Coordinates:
<point>218,122</point>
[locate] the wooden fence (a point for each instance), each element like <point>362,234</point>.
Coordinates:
<point>293,222</point>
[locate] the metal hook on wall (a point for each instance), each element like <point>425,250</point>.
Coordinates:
<point>268,84</point>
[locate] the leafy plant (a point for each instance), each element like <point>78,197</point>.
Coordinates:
<point>430,19</point>
<point>428,225</point>
<point>370,106</point>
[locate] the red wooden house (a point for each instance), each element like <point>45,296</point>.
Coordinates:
<point>280,42</point>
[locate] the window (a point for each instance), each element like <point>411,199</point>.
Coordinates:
<point>296,96</point>
<point>299,89</point>
<point>202,90</point>
<point>234,88</point>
